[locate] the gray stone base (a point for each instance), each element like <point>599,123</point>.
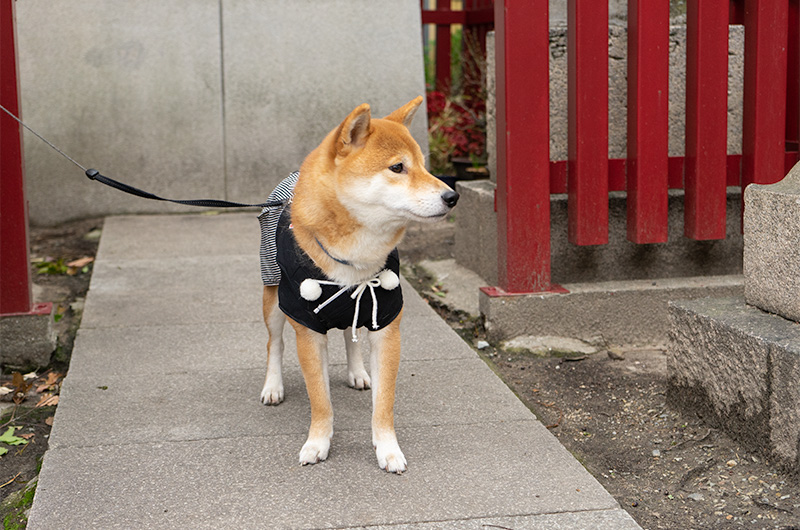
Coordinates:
<point>772,246</point>
<point>476,242</point>
<point>738,368</point>
<point>624,312</point>
<point>27,339</point>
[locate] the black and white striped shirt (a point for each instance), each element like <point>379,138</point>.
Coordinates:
<point>268,219</point>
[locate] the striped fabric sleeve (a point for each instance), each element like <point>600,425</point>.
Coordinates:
<point>268,219</point>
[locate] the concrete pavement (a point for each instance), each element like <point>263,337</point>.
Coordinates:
<point>160,424</point>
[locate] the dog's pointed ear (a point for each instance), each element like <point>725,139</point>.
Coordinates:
<point>354,130</point>
<point>406,113</point>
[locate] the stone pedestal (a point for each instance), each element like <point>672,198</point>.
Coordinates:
<point>737,361</point>
<point>772,246</point>
<point>27,339</point>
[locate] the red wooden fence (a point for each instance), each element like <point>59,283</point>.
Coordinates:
<point>526,177</point>
<point>477,19</point>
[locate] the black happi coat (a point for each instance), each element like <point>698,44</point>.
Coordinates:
<point>296,266</point>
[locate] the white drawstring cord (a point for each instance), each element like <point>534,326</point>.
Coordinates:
<point>386,279</point>
<point>372,284</point>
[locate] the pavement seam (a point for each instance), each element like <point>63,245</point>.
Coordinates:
<point>485,517</point>
<point>367,429</point>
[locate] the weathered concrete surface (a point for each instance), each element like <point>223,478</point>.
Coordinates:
<point>772,246</point>
<point>28,339</point>
<point>738,367</point>
<point>160,424</point>
<point>476,229</point>
<point>476,242</point>
<point>460,285</point>
<point>200,98</point>
<point>629,312</point>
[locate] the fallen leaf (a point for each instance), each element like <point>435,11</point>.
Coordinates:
<point>9,438</point>
<point>47,400</point>
<point>29,376</point>
<point>50,382</point>
<point>27,436</point>
<point>49,421</point>
<point>82,262</point>
<point>4,390</point>
<point>20,387</point>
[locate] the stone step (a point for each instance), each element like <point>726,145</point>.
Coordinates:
<point>738,366</point>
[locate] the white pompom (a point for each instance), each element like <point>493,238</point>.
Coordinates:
<point>388,279</point>
<point>310,289</point>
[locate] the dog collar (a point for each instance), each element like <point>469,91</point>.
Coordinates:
<point>337,260</point>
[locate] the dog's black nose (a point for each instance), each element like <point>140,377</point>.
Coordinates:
<point>450,198</point>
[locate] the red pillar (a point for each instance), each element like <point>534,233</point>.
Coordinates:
<point>522,53</point>
<point>443,50</point>
<point>15,283</point>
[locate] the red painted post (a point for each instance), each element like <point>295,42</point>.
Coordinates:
<point>15,284</point>
<point>764,122</point>
<point>443,50</point>
<point>706,118</point>
<point>587,115</point>
<point>793,77</point>
<point>523,145</point>
<point>648,120</point>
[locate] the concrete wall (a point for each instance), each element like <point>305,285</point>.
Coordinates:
<point>200,98</point>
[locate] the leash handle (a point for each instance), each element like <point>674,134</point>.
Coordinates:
<point>93,174</point>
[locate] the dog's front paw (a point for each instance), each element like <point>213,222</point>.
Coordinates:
<point>390,457</point>
<point>359,379</point>
<point>314,450</point>
<point>272,394</point>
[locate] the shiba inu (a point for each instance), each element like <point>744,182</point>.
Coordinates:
<point>329,260</point>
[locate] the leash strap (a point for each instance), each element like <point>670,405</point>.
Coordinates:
<point>93,174</point>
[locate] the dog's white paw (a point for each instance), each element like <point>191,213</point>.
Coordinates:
<point>390,457</point>
<point>314,450</point>
<point>272,394</point>
<point>359,380</point>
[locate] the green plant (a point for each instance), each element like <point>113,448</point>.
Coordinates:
<point>457,114</point>
<point>16,508</point>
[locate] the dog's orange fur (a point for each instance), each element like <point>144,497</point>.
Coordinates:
<point>349,200</point>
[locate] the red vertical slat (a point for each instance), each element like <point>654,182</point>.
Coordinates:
<point>523,145</point>
<point>15,286</point>
<point>648,120</point>
<point>793,75</point>
<point>706,118</point>
<point>736,14</point>
<point>443,49</point>
<point>763,135</point>
<point>587,114</point>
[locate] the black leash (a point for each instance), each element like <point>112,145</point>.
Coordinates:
<point>93,174</point>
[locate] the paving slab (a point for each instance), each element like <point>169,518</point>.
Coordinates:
<point>242,482</point>
<point>160,423</point>
<point>118,409</point>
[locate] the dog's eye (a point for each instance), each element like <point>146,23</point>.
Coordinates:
<point>397,168</point>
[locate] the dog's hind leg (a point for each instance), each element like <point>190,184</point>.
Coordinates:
<point>312,352</point>
<point>272,393</point>
<point>384,363</point>
<point>357,376</point>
